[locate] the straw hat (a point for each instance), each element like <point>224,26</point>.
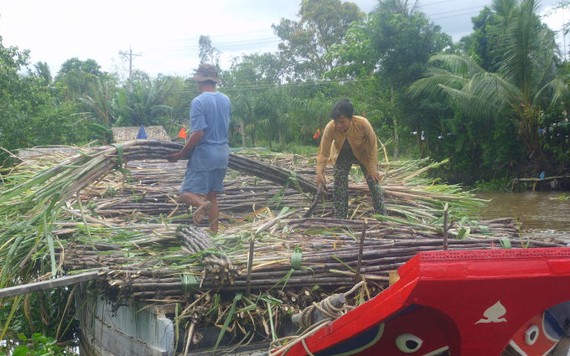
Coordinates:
<point>206,72</point>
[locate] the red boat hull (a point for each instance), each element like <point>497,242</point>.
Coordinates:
<point>459,303</point>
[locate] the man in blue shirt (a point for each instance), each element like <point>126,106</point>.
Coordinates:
<point>208,145</point>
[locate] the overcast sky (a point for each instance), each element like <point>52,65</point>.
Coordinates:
<point>164,35</point>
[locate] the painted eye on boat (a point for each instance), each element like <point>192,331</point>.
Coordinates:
<point>531,335</point>
<point>408,343</point>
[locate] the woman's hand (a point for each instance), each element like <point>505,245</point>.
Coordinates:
<point>321,180</point>
<point>376,177</point>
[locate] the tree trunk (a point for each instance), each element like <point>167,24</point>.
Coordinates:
<point>528,132</point>
<point>395,121</point>
<point>242,133</point>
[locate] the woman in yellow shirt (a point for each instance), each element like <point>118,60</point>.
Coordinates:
<point>349,139</point>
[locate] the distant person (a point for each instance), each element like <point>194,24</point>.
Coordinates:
<point>348,139</point>
<point>208,146</point>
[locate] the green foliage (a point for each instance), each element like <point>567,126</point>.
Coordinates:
<point>266,111</point>
<point>297,149</point>
<point>144,101</point>
<point>248,81</point>
<point>77,77</point>
<point>34,111</point>
<point>492,103</point>
<point>555,136</point>
<point>38,345</point>
<point>356,57</point>
<point>404,39</point>
<point>494,185</point>
<point>322,24</point>
<point>44,315</point>
<point>208,53</point>
<point>398,40</point>
<point>15,97</point>
<point>501,108</point>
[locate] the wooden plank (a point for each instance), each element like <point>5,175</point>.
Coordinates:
<point>545,179</point>
<point>52,283</point>
<point>537,181</point>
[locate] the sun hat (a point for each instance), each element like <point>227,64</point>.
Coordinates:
<point>206,72</point>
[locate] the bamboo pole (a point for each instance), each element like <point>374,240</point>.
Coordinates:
<point>50,284</point>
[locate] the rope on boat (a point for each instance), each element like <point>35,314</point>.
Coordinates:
<point>329,310</point>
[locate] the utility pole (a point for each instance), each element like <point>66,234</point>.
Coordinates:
<point>129,55</point>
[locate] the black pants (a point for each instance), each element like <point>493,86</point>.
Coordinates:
<point>341,170</point>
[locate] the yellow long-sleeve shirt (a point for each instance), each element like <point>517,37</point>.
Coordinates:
<point>362,140</point>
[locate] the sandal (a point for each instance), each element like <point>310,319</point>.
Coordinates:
<point>201,212</point>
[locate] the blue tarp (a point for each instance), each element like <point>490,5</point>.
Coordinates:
<point>142,133</point>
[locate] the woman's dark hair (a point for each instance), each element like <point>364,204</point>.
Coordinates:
<point>343,108</point>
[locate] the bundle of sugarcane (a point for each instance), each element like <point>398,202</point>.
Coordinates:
<point>37,201</point>
<point>75,173</point>
<point>235,200</point>
<point>243,194</point>
<point>404,186</point>
<point>283,262</point>
<point>276,252</point>
<point>216,266</point>
<point>329,268</point>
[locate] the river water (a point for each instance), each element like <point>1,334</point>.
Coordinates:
<point>543,214</point>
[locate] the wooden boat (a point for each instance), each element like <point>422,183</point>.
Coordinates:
<point>481,302</point>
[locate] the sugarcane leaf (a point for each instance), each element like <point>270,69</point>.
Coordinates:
<point>344,264</point>
<point>271,323</point>
<point>15,306</point>
<point>229,318</point>
<point>284,280</point>
<point>505,243</point>
<point>463,233</point>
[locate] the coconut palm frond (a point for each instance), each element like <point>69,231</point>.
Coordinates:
<point>557,86</point>
<point>434,84</point>
<point>457,64</point>
<point>527,49</point>
<point>468,103</point>
<point>494,90</point>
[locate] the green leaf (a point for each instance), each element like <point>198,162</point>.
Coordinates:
<point>463,233</point>
<point>505,243</point>
<point>296,258</point>
<point>229,318</point>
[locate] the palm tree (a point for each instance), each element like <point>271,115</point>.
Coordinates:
<point>245,117</point>
<point>99,101</point>
<point>146,100</point>
<point>273,111</point>
<point>523,85</point>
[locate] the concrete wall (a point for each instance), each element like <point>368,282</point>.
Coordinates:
<point>125,330</point>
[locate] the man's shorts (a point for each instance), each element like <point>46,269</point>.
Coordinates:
<point>203,182</point>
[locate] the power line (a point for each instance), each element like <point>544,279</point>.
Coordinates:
<point>191,44</point>
<point>220,45</point>
<point>436,3</point>
<point>230,41</point>
<point>455,12</point>
<point>452,15</point>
